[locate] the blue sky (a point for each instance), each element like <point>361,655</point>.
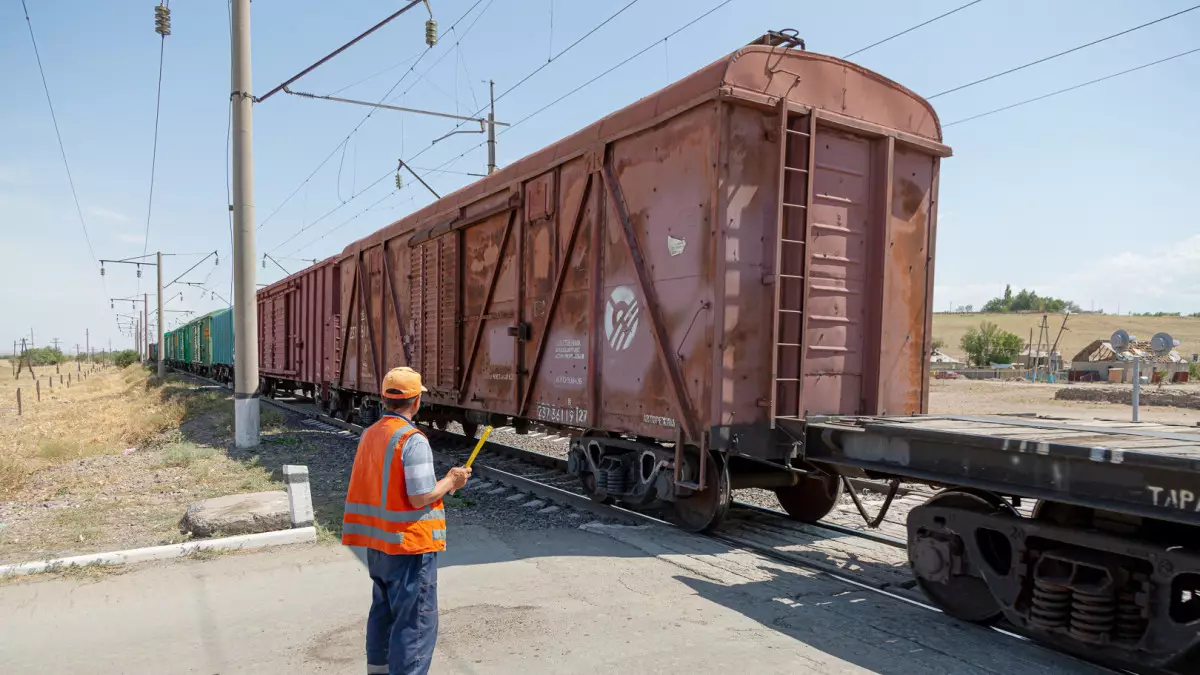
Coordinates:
<point>1089,195</point>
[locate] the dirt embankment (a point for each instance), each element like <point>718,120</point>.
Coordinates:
<point>1170,397</point>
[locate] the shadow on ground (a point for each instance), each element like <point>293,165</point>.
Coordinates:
<point>871,631</point>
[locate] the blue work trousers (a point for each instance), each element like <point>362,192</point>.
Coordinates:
<point>402,626</point>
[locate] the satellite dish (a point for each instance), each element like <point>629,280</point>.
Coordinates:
<point>1162,344</point>
<point>1120,340</point>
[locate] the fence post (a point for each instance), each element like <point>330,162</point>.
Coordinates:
<point>18,401</point>
<point>68,381</point>
<point>38,384</point>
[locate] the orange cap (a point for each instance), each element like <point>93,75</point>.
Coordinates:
<point>402,382</point>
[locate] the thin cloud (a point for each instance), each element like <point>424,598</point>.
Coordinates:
<point>108,214</point>
<point>130,238</point>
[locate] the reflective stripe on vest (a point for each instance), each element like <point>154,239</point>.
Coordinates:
<point>396,530</point>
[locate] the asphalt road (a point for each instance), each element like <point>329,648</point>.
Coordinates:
<point>531,601</point>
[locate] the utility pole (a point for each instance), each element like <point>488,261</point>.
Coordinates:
<point>34,346</point>
<point>159,333</point>
<point>145,327</point>
<point>245,323</point>
<point>55,342</point>
<point>87,341</point>
<point>492,128</point>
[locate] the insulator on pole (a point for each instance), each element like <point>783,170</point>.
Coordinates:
<point>162,20</point>
<point>431,35</point>
<point>399,180</point>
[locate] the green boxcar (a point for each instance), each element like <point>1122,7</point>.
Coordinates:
<point>185,355</point>
<point>221,340</point>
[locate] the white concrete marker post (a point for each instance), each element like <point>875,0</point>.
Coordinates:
<point>299,495</point>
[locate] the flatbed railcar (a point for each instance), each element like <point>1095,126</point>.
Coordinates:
<point>728,284</point>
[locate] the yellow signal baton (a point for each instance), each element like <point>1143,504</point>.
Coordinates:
<point>478,446</point>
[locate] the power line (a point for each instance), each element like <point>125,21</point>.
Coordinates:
<point>909,30</point>
<point>552,59</point>
<point>610,70</point>
<point>441,166</point>
<point>1063,53</point>
<point>376,74</point>
<point>62,150</point>
<point>344,223</point>
<point>461,37</point>
<point>163,30</point>
<point>1072,88</point>
<point>330,212</point>
<point>477,112</point>
<point>353,131</point>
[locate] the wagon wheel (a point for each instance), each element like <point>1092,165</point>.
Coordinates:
<point>812,498</point>
<point>962,597</point>
<point>706,509</point>
<point>470,428</point>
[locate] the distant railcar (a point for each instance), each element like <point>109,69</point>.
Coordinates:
<point>298,330</point>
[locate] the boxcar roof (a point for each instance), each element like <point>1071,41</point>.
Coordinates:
<point>755,73</point>
<point>282,283</point>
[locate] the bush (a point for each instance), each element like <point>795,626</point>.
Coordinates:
<point>126,358</point>
<point>44,356</point>
<point>1194,371</point>
<point>989,344</point>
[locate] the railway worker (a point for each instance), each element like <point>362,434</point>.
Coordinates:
<point>394,509</point>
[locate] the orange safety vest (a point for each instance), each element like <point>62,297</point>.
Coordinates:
<point>378,514</point>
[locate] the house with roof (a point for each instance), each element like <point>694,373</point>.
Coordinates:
<point>1099,362</point>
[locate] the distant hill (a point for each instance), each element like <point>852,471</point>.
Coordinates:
<point>1081,329</point>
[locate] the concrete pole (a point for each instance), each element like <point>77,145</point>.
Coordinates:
<point>145,327</point>
<point>492,129</point>
<point>159,333</point>
<point>87,342</point>
<point>1137,386</point>
<point>245,310</point>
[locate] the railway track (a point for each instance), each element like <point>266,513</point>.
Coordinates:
<point>870,561</point>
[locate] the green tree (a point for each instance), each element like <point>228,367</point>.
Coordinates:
<point>1028,301</point>
<point>125,358</point>
<point>938,344</point>
<point>989,344</point>
<point>44,356</point>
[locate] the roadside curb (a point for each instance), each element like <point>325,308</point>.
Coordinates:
<point>171,551</point>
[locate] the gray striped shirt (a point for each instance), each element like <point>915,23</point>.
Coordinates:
<point>417,457</point>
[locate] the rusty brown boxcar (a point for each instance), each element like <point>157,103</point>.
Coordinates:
<point>683,281</point>
<point>298,330</point>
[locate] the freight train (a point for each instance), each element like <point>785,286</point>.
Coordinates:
<point>728,284</point>
<point>203,346</point>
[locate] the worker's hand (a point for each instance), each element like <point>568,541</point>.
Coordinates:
<point>458,477</point>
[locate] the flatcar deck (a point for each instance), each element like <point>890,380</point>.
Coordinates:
<point>1152,470</point>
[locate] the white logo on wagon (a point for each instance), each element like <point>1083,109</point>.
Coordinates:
<point>621,318</point>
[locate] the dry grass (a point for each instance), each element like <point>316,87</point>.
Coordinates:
<point>107,412</point>
<point>69,486</point>
<point>1082,329</point>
